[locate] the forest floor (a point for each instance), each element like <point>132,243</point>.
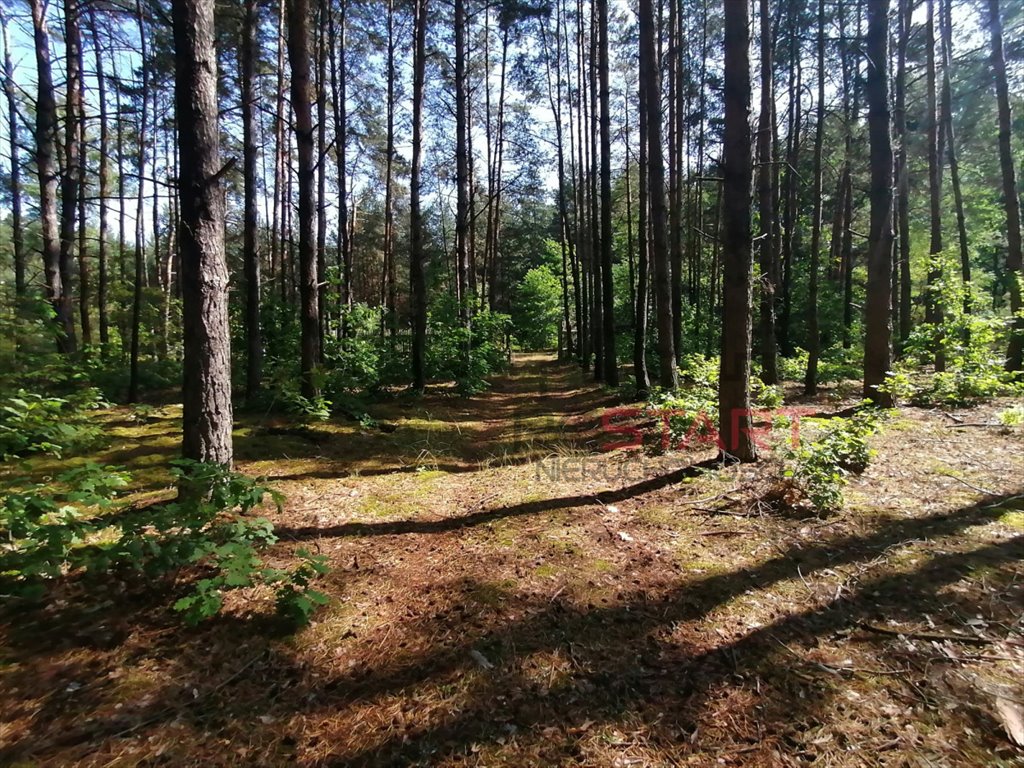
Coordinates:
<point>506,592</point>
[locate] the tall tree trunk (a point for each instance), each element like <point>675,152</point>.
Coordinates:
<point>46,168</point>
<point>933,303</point>
<point>640,374</point>
<point>593,184</point>
<point>462,222</point>
<point>673,73</point>
<point>84,281</point>
<point>14,180</point>
<point>877,353</point>
<point>104,181</point>
<point>946,24</point>
<point>339,93</point>
<point>323,10</point>
<point>206,392</point>
<point>277,234</point>
<point>813,329</point>
<point>766,203</point>
<point>790,214</point>
<point>302,107</point>
<point>251,240</point>
<point>574,225</point>
<point>417,278</point>
<point>650,80</point>
<point>553,71</point>
<point>902,171</point>
<point>611,362</point>
<point>140,230</point>
<point>46,147</point>
<point>389,288</point>
<point>734,416</point>
<point>1015,353</point>
<point>71,179</point>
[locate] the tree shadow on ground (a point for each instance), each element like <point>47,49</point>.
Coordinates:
<point>647,659</point>
<point>539,407</point>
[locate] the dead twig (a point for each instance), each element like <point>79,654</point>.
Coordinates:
<point>939,637</point>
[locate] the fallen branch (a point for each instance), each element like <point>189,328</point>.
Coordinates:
<point>939,637</point>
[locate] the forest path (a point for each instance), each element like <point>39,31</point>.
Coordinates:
<point>504,592</point>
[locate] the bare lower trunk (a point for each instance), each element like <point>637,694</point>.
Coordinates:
<point>877,353</point>
<point>813,329</point>
<point>309,316</point>
<point>734,416</point>
<point>104,180</point>
<point>668,377</point>
<point>417,277</point>
<point>14,185</point>
<point>57,290</point>
<point>251,241</point>
<point>1015,353</point>
<point>611,363</point>
<point>766,204</point>
<point>206,393</point>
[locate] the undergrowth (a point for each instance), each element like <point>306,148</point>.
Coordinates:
<point>815,472</point>
<point>77,527</point>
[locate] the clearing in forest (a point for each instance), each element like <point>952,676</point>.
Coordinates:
<point>506,592</point>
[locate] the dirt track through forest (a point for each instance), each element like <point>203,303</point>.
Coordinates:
<point>505,593</point>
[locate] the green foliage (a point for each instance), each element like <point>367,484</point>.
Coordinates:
<point>466,355</point>
<point>77,526</point>
<point>816,471</point>
<point>537,307</point>
<point>33,423</point>
<point>835,364</point>
<point>1012,417</point>
<point>696,400</point>
<point>974,345</point>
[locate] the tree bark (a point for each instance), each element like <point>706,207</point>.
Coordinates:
<point>71,179</point>
<point>790,211</point>
<point>813,329</point>
<point>640,373</point>
<point>389,287</point>
<point>251,240</point>
<point>877,353</point>
<point>206,392</point>
<point>57,290</point>
<point>902,171</point>
<point>104,183</point>
<point>734,416</point>
<point>323,10</point>
<point>1015,352</point>
<point>946,24</point>
<point>766,203</point>
<point>14,181</point>
<point>140,231</point>
<point>611,362</point>
<point>417,278</point>
<point>933,303</point>
<point>667,378</point>
<point>309,316</point>
<point>461,165</point>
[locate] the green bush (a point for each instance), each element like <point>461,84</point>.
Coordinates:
<point>974,345</point>
<point>77,526</point>
<point>696,400</point>
<point>466,356</point>
<point>33,423</point>
<point>537,309</point>
<point>816,471</point>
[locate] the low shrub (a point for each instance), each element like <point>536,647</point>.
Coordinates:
<point>77,526</point>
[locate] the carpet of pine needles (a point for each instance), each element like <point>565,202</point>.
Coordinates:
<point>506,593</point>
